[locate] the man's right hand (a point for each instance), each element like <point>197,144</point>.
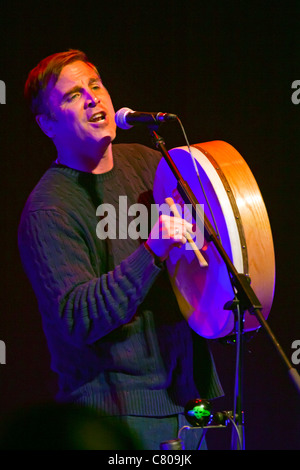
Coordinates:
<point>167,233</point>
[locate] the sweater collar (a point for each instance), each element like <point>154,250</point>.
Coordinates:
<point>77,173</point>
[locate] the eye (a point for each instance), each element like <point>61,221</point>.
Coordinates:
<point>73,97</point>
<point>96,87</point>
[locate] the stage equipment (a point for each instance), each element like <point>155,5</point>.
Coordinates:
<point>233,217</point>
<point>231,201</point>
<point>199,414</point>
<point>231,292</point>
<point>126,118</point>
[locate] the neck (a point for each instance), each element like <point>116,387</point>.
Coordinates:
<point>100,162</point>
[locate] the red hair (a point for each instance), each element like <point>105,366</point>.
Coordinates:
<point>44,76</point>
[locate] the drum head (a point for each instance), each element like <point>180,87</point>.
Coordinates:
<point>202,292</point>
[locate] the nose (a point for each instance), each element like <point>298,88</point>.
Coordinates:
<point>92,101</point>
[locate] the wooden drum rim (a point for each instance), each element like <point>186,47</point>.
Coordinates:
<point>253,216</point>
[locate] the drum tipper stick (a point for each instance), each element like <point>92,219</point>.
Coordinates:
<point>202,261</point>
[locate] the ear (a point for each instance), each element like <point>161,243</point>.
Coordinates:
<point>46,123</point>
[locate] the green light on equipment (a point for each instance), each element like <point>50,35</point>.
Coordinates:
<point>199,412</point>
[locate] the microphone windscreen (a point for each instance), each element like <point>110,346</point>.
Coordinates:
<point>120,118</point>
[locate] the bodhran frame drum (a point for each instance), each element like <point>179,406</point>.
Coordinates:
<point>235,208</point>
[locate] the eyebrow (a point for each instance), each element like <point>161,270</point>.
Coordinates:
<point>76,88</point>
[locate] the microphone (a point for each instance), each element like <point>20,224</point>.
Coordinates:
<point>125,118</point>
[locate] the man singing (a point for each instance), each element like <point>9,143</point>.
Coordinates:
<point>117,339</point>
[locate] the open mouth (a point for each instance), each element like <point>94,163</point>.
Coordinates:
<point>98,117</point>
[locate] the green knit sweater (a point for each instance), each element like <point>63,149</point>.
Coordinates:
<point>117,339</point>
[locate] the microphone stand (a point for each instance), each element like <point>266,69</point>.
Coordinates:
<point>245,297</point>
<point>238,441</point>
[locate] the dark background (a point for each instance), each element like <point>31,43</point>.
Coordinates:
<point>226,69</point>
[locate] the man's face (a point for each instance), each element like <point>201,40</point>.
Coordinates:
<point>82,110</point>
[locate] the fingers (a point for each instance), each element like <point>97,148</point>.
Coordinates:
<point>167,233</point>
<point>186,227</point>
<point>174,229</point>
